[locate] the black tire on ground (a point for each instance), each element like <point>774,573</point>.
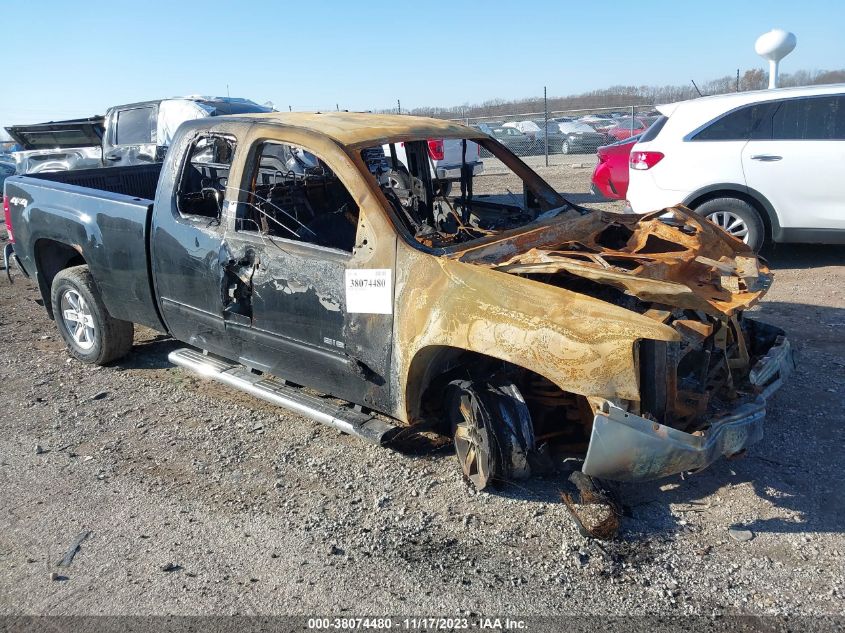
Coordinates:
<point>489,424</point>
<point>737,216</point>
<point>445,188</point>
<point>92,335</point>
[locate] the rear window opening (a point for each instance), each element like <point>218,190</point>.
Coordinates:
<point>443,197</point>
<point>295,195</point>
<point>654,129</point>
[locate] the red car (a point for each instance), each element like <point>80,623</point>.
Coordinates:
<point>610,177</point>
<point>624,129</point>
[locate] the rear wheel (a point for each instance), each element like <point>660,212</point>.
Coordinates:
<point>92,335</point>
<point>737,218</point>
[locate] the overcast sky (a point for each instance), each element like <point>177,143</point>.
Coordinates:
<point>71,59</point>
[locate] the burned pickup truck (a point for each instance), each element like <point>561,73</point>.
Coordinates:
<point>303,263</point>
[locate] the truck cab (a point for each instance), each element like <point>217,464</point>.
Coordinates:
<point>292,258</point>
<point>130,134</point>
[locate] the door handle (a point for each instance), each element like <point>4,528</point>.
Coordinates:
<point>766,158</point>
<point>112,158</point>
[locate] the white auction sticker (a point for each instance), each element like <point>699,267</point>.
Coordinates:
<point>369,291</point>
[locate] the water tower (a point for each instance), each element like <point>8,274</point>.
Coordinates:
<point>774,46</point>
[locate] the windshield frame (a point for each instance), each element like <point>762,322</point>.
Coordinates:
<point>529,177</point>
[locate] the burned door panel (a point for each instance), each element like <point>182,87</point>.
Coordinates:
<point>299,328</point>
<point>301,223</point>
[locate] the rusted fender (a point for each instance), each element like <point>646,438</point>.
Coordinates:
<point>582,344</point>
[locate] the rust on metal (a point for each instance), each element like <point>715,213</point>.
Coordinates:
<point>643,312</point>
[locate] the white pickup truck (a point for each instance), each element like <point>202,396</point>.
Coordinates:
<point>131,134</point>
<point>446,157</point>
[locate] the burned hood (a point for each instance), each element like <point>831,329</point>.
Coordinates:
<point>671,257</point>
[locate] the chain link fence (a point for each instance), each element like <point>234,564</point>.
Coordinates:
<point>565,131</point>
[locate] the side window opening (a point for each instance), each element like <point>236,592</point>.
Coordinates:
<point>654,129</point>
<point>810,119</point>
<point>204,177</point>
<point>135,126</point>
<point>294,195</point>
<point>734,126</point>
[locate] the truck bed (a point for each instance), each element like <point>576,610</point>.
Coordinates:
<point>104,215</point>
<point>137,181</point>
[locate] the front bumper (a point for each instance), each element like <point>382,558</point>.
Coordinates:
<point>627,447</point>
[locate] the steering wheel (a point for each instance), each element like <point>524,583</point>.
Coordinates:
<point>215,194</point>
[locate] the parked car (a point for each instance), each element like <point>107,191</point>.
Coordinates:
<point>127,135</point>
<point>517,142</point>
<point>598,121</point>
<point>610,177</point>
<point>529,128</point>
<point>538,132</point>
<point>627,127</point>
<point>764,165</point>
<point>495,318</point>
<point>580,138</point>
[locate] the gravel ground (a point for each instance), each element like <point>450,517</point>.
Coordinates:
<point>197,499</point>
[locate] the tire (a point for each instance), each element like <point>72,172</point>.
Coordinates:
<point>446,188</point>
<point>491,430</point>
<point>96,338</point>
<point>737,217</point>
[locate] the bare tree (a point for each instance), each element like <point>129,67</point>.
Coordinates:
<point>626,96</point>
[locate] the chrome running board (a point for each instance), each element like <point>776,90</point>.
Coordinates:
<point>343,417</point>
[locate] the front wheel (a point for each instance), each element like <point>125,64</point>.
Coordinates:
<point>737,218</point>
<point>491,429</point>
<point>92,335</point>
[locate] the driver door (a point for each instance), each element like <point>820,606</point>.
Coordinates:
<point>292,257</point>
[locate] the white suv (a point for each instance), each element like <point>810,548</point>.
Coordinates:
<point>763,165</point>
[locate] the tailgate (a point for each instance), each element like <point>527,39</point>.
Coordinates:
<point>453,149</point>
<point>59,134</point>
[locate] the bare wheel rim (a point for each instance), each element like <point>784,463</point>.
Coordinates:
<point>473,444</point>
<point>78,319</point>
<point>730,223</point>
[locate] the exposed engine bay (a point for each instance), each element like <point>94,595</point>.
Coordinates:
<point>436,215</point>
<point>651,265</point>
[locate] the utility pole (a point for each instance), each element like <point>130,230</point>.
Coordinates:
<point>546,123</point>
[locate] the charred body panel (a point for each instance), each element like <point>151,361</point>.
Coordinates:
<point>584,314</point>
<point>274,304</point>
